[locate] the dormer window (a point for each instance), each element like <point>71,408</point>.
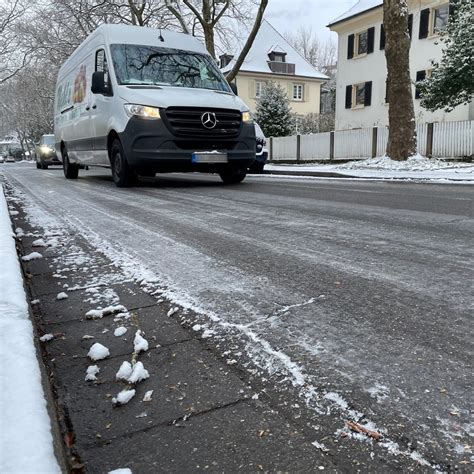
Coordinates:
<point>277,57</point>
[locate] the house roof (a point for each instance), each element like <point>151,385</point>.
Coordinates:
<point>362,6</point>
<point>269,40</point>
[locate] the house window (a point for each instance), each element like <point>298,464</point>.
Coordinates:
<point>433,21</point>
<point>440,18</point>
<point>259,86</point>
<point>359,95</point>
<point>421,76</point>
<point>360,44</point>
<point>297,91</point>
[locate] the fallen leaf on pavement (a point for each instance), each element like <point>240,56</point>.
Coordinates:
<point>361,429</point>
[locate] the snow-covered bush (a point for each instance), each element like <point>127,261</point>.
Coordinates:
<point>451,82</point>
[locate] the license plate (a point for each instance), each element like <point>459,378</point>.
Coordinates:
<point>209,157</point>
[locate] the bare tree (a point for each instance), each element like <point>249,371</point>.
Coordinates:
<point>402,132</point>
<point>321,55</point>
<point>215,18</point>
<point>13,56</point>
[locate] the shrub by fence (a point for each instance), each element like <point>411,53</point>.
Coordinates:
<point>438,140</point>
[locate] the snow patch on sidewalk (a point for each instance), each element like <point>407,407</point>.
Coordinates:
<point>26,442</point>
<point>32,256</point>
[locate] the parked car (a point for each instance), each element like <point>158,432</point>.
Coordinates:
<point>10,158</point>
<point>45,153</point>
<point>2,159</point>
<point>142,101</point>
<point>261,155</point>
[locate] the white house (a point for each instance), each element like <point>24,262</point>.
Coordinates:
<point>272,58</point>
<point>362,70</point>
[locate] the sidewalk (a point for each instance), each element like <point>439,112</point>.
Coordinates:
<point>26,442</point>
<point>417,168</point>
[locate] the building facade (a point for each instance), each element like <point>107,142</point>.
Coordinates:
<point>272,58</point>
<point>362,70</point>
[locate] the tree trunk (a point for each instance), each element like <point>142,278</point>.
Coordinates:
<point>258,21</point>
<point>401,116</point>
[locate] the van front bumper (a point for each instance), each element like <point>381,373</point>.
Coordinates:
<point>150,146</point>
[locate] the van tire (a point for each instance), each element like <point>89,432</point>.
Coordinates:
<point>233,175</point>
<point>122,174</point>
<point>38,166</point>
<point>71,171</point>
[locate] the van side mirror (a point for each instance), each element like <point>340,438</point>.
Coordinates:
<point>233,87</point>
<point>99,85</point>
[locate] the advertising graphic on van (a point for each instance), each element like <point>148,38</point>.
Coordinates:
<point>80,85</point>
<point>143,102</point>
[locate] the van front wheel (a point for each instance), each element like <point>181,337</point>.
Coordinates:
<point>233,175</point>
<point>71,171</point>
<point>122,174</point>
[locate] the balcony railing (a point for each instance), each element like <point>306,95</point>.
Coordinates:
<point>281,68</point>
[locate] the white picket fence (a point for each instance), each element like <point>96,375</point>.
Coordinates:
<point>439,140</point>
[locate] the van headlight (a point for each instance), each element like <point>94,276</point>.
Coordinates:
<point>247,117</point>
<point>143,111</point>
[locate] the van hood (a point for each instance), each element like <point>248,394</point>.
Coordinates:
<point>182,97</point>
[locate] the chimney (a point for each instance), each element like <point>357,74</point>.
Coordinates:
<point>225,59</point>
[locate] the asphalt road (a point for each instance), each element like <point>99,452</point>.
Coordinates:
<point>365,286</point>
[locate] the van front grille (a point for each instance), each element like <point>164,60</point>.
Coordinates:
<point>187,122</point>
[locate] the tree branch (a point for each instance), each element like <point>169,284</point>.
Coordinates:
<point>258,21</point>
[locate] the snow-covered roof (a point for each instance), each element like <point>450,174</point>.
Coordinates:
<point>269,40</point>
<point>360,7</point>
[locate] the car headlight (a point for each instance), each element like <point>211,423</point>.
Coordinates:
<point>45,149</point>
<point>143,111</point>
<point>247,117</point>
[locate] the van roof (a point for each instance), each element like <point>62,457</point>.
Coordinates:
<point>129,34</point>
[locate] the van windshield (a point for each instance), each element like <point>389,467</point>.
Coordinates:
<point>154,66</point>
<point>48,139</point>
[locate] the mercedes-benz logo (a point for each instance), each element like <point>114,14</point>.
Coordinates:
<point>209,119</point>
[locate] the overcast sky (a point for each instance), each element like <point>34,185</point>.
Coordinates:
<point>288,15</point>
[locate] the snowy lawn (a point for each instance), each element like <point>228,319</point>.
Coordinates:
<point>417,167</point>
<point>26,443</point>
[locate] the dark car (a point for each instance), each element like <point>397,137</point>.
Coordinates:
<point>45,153</point>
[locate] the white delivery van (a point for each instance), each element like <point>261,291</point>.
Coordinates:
<point>143,101</point>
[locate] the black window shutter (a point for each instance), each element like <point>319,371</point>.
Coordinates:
<point>386,91</point>
<point>420,76</point>
<point>410,24</point>
<point>350,47</point>
<point>382,37</point>
<point>424,23</point>
<point>370,40</point>
<point>368,93</point>
<point>348,97</point>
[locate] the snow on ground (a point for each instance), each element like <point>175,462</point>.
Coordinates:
<point>416,167</point>
<point>98,352</point>
<point>123,397</point>
<point>32,256</point>
<point>139,373</point>
<point>26,443</point>
<point>140,343</point>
